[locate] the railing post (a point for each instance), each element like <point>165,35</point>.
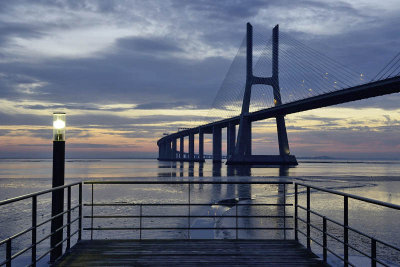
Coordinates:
<point>237,224</point>
<point>34,223</point>
<point>189,211</point>
<point>91,219</point>
<point>325,240</point>
<point>373,252</point>
<point>346,231</point>
<point>284,211</point>
<point>80,213</point>
<point>296,237</point>
<point>308,220</point>
<point>8,253</point>
<point>69,218</point>
<point>57,200</point>
<point>140,222</point>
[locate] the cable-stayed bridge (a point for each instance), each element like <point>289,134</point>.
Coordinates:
<point>301,79</point>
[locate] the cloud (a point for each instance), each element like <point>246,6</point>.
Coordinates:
<point>148,45</point>
<point>132,70</point>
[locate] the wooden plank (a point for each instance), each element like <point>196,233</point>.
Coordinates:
<point>188,253</point>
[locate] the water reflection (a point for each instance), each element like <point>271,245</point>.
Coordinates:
<point>216,169</point>
<point>191,169</point>
<point>201,169</point>
<point>181,169</point>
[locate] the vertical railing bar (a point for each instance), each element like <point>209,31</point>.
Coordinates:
<point>284,211</point>
<point>8,253</point>
<point>69,219</point>
<point>346,230</point>
<point>296,237</point>
<point>308,220</point>
<point>34,230</point>
<point>140,223</point>
<point>80,212</point>
<point>373,252</point>
<point>189,211</point>
<point>91,220</point>
<point>237,224</point>
<point>325,240</point>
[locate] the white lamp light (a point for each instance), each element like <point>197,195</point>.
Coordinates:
<point>58,126</point>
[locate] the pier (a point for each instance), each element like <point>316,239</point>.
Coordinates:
<point>282,228</point>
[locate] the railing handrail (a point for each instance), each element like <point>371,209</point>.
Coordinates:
<point>364,199</point>
<point>188,182</point>
<point>347,245</point>
<point>15,199</point>
<point>35,225</point>
<point>189,215</point>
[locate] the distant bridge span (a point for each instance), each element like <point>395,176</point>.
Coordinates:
<point>239,148</point>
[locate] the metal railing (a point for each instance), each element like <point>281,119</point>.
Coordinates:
<point>189,208</point>
<point>35,225</point>
<point>372,255</point>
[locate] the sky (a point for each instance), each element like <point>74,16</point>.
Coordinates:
<point>125,72</point>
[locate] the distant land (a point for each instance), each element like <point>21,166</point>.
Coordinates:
<point>153,157</point>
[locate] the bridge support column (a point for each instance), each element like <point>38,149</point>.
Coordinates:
<point>248,136</point>
<point>160,151</point>
<point>243,153</point>
<point>173,149</point>
<point>230,139</point>
<point>181,147</point>
<point>201,145</point>
<point>282,137</point>
<point>191,146</point>
<point>168,150</point>
<point>217,144</point>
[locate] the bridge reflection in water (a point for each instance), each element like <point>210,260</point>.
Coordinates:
<point>216,169</point>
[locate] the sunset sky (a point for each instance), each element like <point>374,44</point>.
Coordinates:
<point>125,72</point>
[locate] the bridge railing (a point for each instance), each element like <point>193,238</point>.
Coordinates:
<point>36,224</point>
<point>318,233</point>
<point>149,215</point>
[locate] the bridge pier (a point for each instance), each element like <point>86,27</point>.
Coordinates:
<point>191,147</point>
<point>243,153</point>
<point>165,150</point>
<point>217,144</point>
<point>201,145</point>
<point>230,139</point>
<point>181,147</point>
<point>173,155</point>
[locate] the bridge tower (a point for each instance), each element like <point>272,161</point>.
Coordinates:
<point>242,152</point>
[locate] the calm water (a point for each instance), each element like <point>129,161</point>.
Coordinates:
<point>373,179</point>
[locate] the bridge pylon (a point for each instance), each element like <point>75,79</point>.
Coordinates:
<point>242,152</point>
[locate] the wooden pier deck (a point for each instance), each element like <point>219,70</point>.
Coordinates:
<point>189,253</point>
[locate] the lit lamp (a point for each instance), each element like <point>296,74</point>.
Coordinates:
<point>58,126</point>
<point>57,201</point>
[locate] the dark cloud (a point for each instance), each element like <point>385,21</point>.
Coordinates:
<point>149,45</point>
<point>161,105</point>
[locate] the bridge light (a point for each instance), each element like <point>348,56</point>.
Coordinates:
<point>58,126</point>
<point>310,89</point>
<point>275,101</point>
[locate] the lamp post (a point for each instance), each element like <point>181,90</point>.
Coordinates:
<point>57,201</point>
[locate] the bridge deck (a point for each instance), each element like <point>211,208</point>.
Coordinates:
<point>189,253</point>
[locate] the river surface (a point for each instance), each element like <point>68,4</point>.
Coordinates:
<point>376,179</point>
